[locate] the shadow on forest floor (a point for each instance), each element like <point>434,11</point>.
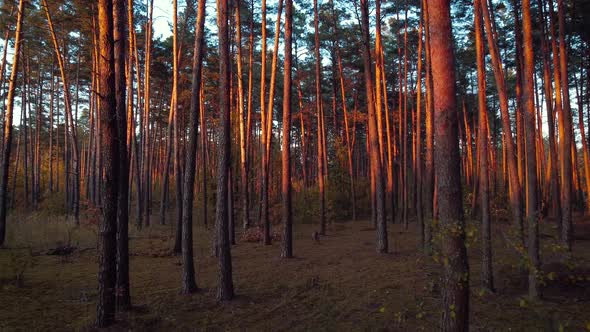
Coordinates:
<point>339,283</point>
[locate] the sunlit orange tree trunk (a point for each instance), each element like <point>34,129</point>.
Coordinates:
<point>287,243</point>
<point>375,157</point>
<point>565,134</point>
<point>514,184</point>
<point>528,98</point>
<point>428,179</point>
<point>108,117</point>
<point>72,135</point>
<point>482,150</point>
<point>455,278</point>
<point>320,118</point>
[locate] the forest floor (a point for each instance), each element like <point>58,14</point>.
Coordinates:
<point>338,284</point>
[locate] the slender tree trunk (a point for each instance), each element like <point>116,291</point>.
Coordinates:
<point>376,165</point>
<point>70,121</point>
<point>7,138</point>
<point>585,151</point>
<point>553,170</point>
<point>532,212</point>
<point>482,149</point>
<point>25,129</point>
<point>404,141</point>
<point>243,126</point>
<point>189,284</point>
<point>345,114</point>
<point>225,291</point>
<point>146,165</point>
<point>131,143</point>
<point>565,138</point>
<point>287,243</point>
<point>177,147</point>
<point>204,141</point>
<point>418,131</point>
<point>16,162</point>
<point>515,192</point>
<point>264,218</point>
<point>246,198</point>
<point>108,226</point>
<point>318,102</point>
<point>428,189</point>
<point>50,153</point>
<point>120,37</point>
<point>455,278</point>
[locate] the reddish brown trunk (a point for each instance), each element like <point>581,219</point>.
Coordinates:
<point>455,287</point>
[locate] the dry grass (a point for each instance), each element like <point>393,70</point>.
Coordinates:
<point>337,284</point>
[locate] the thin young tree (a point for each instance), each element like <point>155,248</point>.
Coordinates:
<point>7,138</point>
<point>287,247</point>
<point>482,150</point>
<point>119,35</point>
<point>264,219</point>
<point>418,130</point>
<point>105,305</point>
<point>69,119</point>
<point>318,102</point>
<point>189,284</point>
<point>455,278</point>
<point>244,131</point>
<point>565,134</point>
<point>514,184</point>
<point>375,157</point>
<point>552,172</point>
<point>528,100</point>
<point>225,289</point>
<point>428,180</point>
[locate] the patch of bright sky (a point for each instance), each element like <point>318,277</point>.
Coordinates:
<point>163,12</point>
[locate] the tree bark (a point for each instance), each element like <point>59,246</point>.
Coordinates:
<point>264,176</point>
<point>428,189</point>
<point>375,157</point>
<point>528,99</point>
<point>287,243</point>
<point>565,136</point>
<point>69,119</point>
<point>108,225</point>
<point>515,191</point>
<point>225,292</point>
<point>318,103</point>
<point>189,284</point>
<point>7,135</point>
<point>455,278</point>
<point>119,35</point>
<point>243,126</point>
<point>487,272</point>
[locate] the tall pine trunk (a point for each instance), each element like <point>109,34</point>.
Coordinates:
<point>528,98</point>
<point>375,157</point>
<point>189,284</point>
<point>105,305</point>
<point>225,289</point>
<point>287,243</point>
<point>455,277</point>
<point>120,38</point>
<point>7,138</point>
